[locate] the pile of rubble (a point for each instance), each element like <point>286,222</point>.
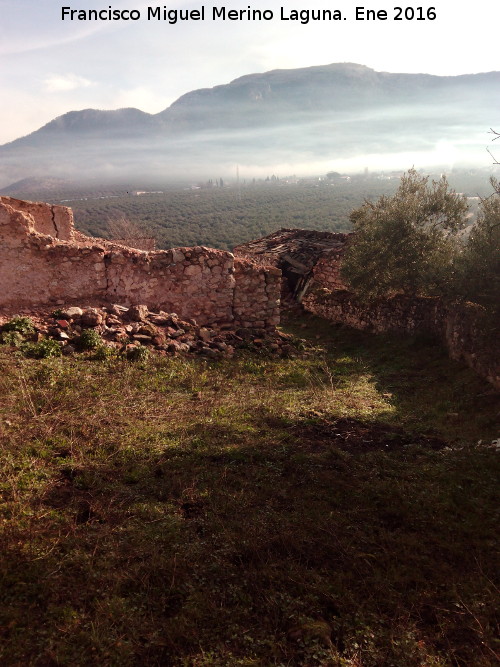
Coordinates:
<point>125,330</point>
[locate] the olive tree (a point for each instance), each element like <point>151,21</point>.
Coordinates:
<point>478,275</point>
<point>406,243</point>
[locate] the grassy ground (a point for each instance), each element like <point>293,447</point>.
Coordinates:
<point>334,509</point>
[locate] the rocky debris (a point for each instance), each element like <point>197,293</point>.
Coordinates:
<point>92,317</point>
<point>123,330</point>
<point>73,313</point>
<point>138,313</point>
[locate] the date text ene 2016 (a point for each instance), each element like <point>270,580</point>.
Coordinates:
<point>400,14</point>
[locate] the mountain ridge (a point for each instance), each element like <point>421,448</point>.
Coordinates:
<point>273,116</point>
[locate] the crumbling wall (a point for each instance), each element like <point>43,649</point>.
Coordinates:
<point>193,282</point>
<point>462,328</point>
<point>56,221</point>
<point>256,294</point>
<point>326,271</point>
<point>38,269</point>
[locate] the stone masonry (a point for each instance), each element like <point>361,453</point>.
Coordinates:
<point>44,261</point>
<point>317,256</point>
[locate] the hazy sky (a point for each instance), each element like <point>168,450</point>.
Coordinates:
<point>49,66</point>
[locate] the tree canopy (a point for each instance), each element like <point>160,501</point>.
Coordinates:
<point>408,242</point>
<point>478,271</point>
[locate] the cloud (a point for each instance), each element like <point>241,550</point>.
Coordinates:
<point>56,83</point>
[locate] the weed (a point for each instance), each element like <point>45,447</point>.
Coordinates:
<point>12,338</point>
<point>45,348</point>
<point>24,325</point>
<point>89,339</point>
<point>138,353</point>
<point>103,353</point>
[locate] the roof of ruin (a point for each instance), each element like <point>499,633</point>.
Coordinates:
<point>303,246</point>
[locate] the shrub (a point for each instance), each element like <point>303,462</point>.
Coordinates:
<point>89,340</point>
<point>103,352</point>
<point>43,349</point>
<point>24,325</point>
<point>13,338</point>
<point>138,353</point>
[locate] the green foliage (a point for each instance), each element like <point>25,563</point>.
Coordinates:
<point>479,266</point>
<point>24,325</point>
<point>89,340</point>
<point>102,353</point>
<point>406,243</point>
<point>43,349</point>
<point>13,338</point>
<point>225,217</point>
<point>138,353</point>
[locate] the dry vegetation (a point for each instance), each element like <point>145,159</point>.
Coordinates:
<point>331,509</point>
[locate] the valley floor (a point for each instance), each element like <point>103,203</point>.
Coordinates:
<point>338,507</point>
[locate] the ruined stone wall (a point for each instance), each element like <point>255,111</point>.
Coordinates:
<point>56,221</point>
<point>139,243</point>
<point>462,328</point>
<point>256,294</point>
<point>38,269</point>
<point>326,271</point>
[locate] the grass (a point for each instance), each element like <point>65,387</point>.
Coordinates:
<point>332,509</point>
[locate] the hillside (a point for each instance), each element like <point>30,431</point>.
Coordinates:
<point>296,117</point>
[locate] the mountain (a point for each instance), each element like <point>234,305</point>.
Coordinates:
<point>337,112</point>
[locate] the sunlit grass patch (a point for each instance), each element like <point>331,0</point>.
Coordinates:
<point>329,509</point>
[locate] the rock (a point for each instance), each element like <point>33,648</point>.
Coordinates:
<point>159,320</point>
<point>138,313</point>
<point>159,340</point>
<point>148,329</point>
<point>117,310</point>
<point>244,333</point>
<point>177,256</point>
<point>172,347</point>
<point>210,353</point>
<point>205,334</point>
<point>63,324</point>
<point>92,317</point>
<point>176,334</point>
<point>72,313</point>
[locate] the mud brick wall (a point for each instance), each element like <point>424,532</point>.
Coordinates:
<point>38,268</point>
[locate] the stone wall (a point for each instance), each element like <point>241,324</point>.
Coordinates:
<point>326,271</point>
<point>56,221</point>
<point>257,290</point>
<point>462,328</point>
<point>40,268</point>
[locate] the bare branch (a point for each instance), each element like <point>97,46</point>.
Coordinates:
<point>495,161</point>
